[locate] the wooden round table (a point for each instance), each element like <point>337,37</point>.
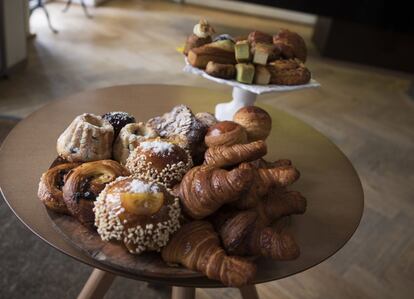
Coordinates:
<point>329,181</point>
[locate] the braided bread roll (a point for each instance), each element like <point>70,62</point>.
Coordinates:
<point>197,246</point>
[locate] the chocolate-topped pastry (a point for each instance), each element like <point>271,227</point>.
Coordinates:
<point>118,120</point>
<point>180,121</point>
<point>84,183</point>
<point>159,160</point>
<point>140,213</point>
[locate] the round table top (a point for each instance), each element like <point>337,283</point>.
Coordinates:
<point>328,180</point>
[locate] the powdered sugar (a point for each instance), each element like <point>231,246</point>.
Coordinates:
<point>158,147</point>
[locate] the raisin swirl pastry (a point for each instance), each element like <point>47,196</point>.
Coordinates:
<point>139,213</point>
<point>84,183</point>
<point>50,187</point>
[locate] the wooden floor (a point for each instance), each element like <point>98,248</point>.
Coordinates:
<point>365,111</point>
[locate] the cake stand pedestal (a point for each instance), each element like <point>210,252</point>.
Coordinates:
<point>243,94</point>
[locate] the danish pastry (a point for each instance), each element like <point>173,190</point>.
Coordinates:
<point>84,183</point>
<point>50,187</point>
<point>88,138</point>
<point>139,213</point>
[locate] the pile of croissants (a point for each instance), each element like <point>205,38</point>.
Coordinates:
<point>230,200</point>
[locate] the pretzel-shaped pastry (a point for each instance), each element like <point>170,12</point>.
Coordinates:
<point>50,187</point>
<point>83,185</point>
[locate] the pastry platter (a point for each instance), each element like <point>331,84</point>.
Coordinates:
<point>328,181</point>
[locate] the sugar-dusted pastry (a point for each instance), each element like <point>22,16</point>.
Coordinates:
<point>197,246</point>
<point>128,139</point>
<point>205,189</point>
<point>139,213</point>
<point>225,133</point>
<point>261,75</point>
<point>50,187</point>
<point>242,51</point>
<point>84,183</point>
<point>221,51</point>
<point>288,72</point>
<point>245,73</point>
<point>291,44</point>
<point>219,70</point>
<point>88,138</point>
<point>206,118</point>
<point>159,160</point>
<point>202,33</point>
<point>255,120</point>
<point>224,156</point>
<point>182,122</point>
<point>259,37</point>
<point>118,120</point>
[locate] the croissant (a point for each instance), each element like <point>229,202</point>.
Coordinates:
<point>279,203</point>
<point>270,175</point>
<point>243,233</point>
<point>204,189</point>
<point>222,156</point>
<point>197,246</point>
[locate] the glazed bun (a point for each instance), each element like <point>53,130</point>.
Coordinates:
<point>225,133</point>
<point>159,160</point>
<point>255,120</point>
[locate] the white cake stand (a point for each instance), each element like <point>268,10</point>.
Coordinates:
<point>243,94</point>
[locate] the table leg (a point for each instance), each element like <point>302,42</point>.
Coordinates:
<point>97,285</point>
<point>183,293</point>
<point>249,292</point>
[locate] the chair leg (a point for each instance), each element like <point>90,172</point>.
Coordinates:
<point>249,292</point>
<point>85,10</point>
<point>49,22</point>
<point>97,285</point>
<point>68,3</point>
<point>183,293</point>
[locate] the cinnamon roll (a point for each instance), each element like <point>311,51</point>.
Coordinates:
<point>84,183</point>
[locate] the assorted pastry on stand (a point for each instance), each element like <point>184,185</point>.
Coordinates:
<point>197,190</point>
<point>259,58</point>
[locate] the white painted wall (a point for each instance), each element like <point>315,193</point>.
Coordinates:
<point>15,20</point>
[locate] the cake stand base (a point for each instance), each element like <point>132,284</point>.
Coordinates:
<point>241,98</point>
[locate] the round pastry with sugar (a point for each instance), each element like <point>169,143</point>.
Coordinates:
<point>159,160</point>
<point>140,213</point>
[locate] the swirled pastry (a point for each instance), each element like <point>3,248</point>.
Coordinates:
<point>159,160</point>
<point>129,138</point>
<point>50,187</point>
<point>84,183</point>
<point>139,213</point>
<point>88,138</point>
